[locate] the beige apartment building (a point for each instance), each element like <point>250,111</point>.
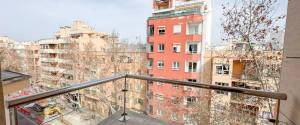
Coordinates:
<point>104,100</point>
<point>233,70</point>
<point>59,55</point>
<point>6,42</point>
<point>32,61</point>
<point>78,53</point>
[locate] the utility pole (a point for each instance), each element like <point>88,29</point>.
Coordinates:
<point>2,101</point>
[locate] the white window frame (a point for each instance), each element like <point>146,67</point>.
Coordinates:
<point>196,31</point>
<point>150,63</point>
<point>149,46</point>
<point>161,28</point>
<point>175,86</point>
<point>159,112</point>
<point>138,87</point>
<point>160,97</point>
<point>220,91</point>
<point>175,100</point>
<point>175,65</point>
<point>187,69</point>
<point>159,83</point>
<point>176,48</point>
<point>160,64</point>
<point>223,70</point>
<point>161,47</point>
<point>188,88</point>
<point>151,27</point>
<point>174,116</point>
<point>188,44</point>
<point>191,98</point>
<point>177,28</point>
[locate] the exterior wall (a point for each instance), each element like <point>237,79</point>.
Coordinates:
<point>59,59</point>
<point>32,60</point>
<point>6,42</point>
<point>170,38</point>
<point>136,95</point>
<point>289,82</point>
<point>223,102</point>
<point>15,87</point>
<point>88,56</point>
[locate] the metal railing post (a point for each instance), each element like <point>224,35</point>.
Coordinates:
<point>14,116</point>
<point>277,112</point>
<point>124,117</point>
<point>2,101</point>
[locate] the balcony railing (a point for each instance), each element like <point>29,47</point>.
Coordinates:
<point>15,104</point>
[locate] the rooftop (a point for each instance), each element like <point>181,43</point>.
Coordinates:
<point>11,76</point>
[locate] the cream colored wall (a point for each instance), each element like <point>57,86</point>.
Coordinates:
<point>222,78</point>
<point>15,87</point>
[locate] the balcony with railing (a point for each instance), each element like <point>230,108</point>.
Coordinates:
<point>102,102</point>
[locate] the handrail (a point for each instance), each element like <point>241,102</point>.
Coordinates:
<point>273,95</point>
<point>31,98</point>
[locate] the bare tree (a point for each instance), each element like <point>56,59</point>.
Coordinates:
<point>252,22</point>
<point>10,59</point>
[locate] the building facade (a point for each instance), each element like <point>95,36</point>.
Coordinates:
<point>33,62</point>
<point>176,45</point>
<point>235,69</point>
<point>78,54</point>
<point>59,56</point>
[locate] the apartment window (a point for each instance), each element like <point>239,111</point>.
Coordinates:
<point>222,69</point>
<point>192,47</point>
<point>160,97</point>
<point>174,116</point>
<point>161,30</point>
<point>191,66</point>
<point>45,47</point>
<point>160,83</point>
<point>175,100</point>
<point>150,63</point>
<point>177,29</point>
<point>192,80</point>
<point>161,47</point>
<point>176,48</point>
<point>220,91</point>
<point>150,109</point>
<point>194,28</point>
<point>160,64</point>
<point>150,47</point>
<point>188,100</point>
<point>150,30</point>
<point>159,112</point>
<point>120,98</point>
<point>175,86</point>
<point>187,117</point>
<point>138,87</point>
<point>139,101</point>
<point>266,115</point>
<point>187,88</point>
<point>175,65</point>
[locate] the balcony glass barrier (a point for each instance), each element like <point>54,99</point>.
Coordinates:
<point>155,100</point>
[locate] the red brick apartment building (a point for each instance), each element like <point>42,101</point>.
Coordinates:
<point>176,43</point>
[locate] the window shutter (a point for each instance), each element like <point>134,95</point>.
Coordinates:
<point>186,66</point>
<point>200,28</point>
<point>198,66</point>
<point>177,28</point>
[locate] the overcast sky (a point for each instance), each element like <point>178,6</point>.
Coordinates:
<point>25,20</point>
